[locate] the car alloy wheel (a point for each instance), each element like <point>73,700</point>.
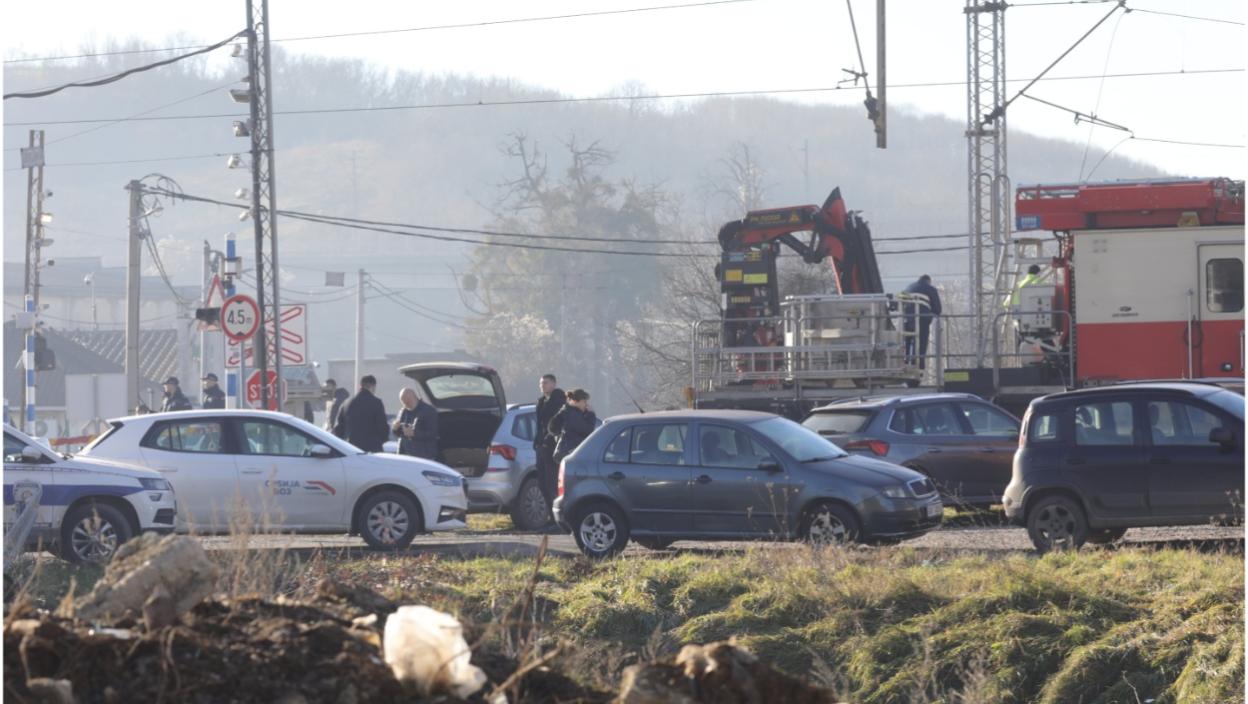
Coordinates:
<point>598,532</point>
<point>830,524</point>
<point>1057,523</point>
<point>93,539</point>
<point>388,522</point>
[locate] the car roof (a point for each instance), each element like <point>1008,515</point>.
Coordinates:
<point>1182,388</point>
<point>880,400</point>
<point>199,413</point>
<point>521,406</point>
<point>697,414</point>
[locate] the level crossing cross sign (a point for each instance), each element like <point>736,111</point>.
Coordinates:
<point>253,389</point>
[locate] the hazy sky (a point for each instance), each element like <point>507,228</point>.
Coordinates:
<point>755,45</point>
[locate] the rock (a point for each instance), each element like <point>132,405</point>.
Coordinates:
<point>158,610</point>
<point>176,563</point>
<point>721,673</point>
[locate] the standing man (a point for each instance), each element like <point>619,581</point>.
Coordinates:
<point>214,397</point>
<point>916,313</point>
<point>550,403</point>
<point>334,398</point>
<point>175,400</point>
<point>362,419</point>
<point>417,426</point>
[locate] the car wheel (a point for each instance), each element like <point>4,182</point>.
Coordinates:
<point>1105,536</point>
<point>529,510</point>
<point>1057,523</point>
<point>600,531</point>
<point>389,520</point>
<point>93,532</point>
<point>829,524</point>
<point>654,542</point>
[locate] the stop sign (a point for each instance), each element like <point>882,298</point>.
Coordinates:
<point>253,389</point>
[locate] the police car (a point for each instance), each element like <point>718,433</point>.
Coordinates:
<point>85,507</point>
<point>275,472</point>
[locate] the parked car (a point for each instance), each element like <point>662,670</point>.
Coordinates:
<point>87,508</point>
<point>965,444</point>
<point>509,482</point>
<point>471,405</point>
<point>731,475</point>
<point>274,471</point>
<point>1094,462</point>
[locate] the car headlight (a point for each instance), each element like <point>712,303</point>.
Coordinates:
<point>896,491</point>
<point>442,478</point>
<point>155,484</point>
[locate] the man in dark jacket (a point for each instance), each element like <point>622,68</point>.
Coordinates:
<point>417,426</point>
<point>334,398</point>
<point>576,421</point>
<point>214,397</point>
<point>550,403</point>
<point>362,419</point>
<point>175,400</point>
<point>920,315</point>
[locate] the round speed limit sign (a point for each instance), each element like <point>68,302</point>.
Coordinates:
<point>240,316</point>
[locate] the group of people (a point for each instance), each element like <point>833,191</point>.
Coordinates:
<point>564,420</point>
<point>174,399</point>
<point>361,419</point>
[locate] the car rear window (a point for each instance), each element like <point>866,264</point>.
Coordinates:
<point>1042,428</point>
<point>112,428</point>
<point>838,422</point>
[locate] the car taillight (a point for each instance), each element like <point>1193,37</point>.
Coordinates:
<point>562,468</point>
<point>507,451</point>
<point>879,448</point>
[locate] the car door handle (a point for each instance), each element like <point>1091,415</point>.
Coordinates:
<point>987,450</point>
<point>1075,460</point>
<point>166,470</point>
<point>252,471</point>
<point>617,476</point>
<point>704,479</point>
<point>934,450</point>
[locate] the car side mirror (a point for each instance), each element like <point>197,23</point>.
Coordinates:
<point>770,466</point>
<point>321,451</point>
<point>1223,437</point>
<point>31,455</point>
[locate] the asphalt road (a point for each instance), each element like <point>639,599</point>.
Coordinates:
<point>476,543</point>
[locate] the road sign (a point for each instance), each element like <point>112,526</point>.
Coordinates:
<point>294,340</point>
<point>253,389</point>
<point>214,299</point>
<point>240,317</point>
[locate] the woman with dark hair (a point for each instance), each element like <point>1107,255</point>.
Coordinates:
<point>575,422</point>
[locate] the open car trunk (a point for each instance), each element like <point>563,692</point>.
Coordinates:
<point>471,405</point>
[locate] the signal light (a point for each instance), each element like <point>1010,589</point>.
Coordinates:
<point>879,448</point>
<point>507,451</point>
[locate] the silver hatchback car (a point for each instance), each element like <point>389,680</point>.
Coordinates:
<point>509,482</point>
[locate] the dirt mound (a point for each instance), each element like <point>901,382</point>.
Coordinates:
<point>244,650</point>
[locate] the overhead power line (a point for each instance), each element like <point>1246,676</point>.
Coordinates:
<point>462,25</point>
<point>607,98</point>
<point>1188,17</point>
<point>128,72</point>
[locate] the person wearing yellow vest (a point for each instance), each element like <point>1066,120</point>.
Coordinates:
<point>1032,277</point>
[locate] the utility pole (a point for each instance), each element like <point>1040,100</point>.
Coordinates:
<point>32,161</point>
<point>230,267</point>
<point>881,104</point>
<point>263,206</point>
<point>133,264</point>
<point>988,182</point>
<point>359,326</point>
<point>206,287</point>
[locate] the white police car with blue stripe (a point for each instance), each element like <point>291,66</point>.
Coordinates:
<point>86,507</point>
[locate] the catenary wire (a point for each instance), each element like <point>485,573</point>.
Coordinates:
<point>610,98</point>
<point>128,72</point>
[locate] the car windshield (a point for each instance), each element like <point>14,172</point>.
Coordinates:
<point>1228,401</point>
<point>323,436</point>
<point>838,422</point>
<point>802,443</point>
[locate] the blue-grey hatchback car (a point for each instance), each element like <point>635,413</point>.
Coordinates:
<point>657,478</point>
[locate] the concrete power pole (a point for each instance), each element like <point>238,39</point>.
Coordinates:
<point>32,161</point>
<point>359,327</point>
<point>133,264</point>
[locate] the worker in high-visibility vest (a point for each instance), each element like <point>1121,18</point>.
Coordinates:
<point>1032,277</point>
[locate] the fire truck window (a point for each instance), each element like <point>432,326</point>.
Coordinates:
<point>1224,285</point>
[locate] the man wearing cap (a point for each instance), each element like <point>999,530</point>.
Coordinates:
<point>175,400</point>
<point>214,397</point>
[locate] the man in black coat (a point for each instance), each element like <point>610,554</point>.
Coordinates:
<point>362,419</point>
<point>214,397</point>
<point>575,422</point>
<point>417,426</point>
<point>551,402</point>
<point>916,314</point>
<point>175,400</point>
<point>334,398</point>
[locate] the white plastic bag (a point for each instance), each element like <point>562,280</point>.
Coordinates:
<point>426,647</point>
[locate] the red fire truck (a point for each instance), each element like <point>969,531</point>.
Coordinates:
<point>1149,274</point>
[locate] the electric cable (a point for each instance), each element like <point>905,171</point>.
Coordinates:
<point>1188,17</point>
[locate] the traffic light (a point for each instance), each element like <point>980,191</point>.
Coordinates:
<point>208,316</point>
<point>45,359</point>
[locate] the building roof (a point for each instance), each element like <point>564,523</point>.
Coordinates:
<point>71,358</point>
<point>158,349</point>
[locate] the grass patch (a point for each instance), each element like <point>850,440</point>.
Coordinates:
<point>490,521</point>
